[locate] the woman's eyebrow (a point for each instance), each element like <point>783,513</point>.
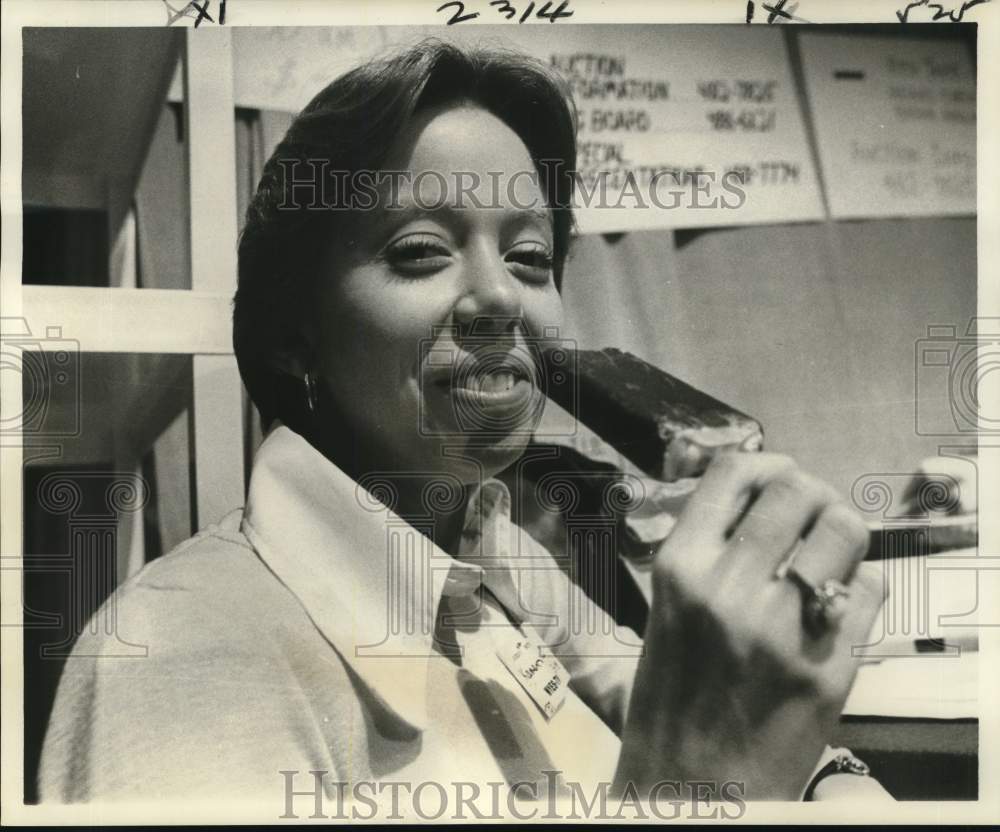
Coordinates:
<point>542,214</point>
<point>394,215</point>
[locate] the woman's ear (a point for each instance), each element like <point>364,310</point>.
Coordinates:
<point>294,356</point>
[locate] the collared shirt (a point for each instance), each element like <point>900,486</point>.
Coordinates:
<point>318,631</point>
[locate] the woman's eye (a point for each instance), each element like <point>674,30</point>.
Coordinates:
<point>418,254</point>
<point>530,261</point>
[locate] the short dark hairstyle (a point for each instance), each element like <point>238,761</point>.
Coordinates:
<point>353,123</point>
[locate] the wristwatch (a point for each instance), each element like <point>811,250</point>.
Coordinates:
<point>843,763</point>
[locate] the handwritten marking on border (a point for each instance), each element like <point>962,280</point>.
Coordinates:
<point>940,12</point>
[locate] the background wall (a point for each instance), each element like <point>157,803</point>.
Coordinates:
<point>811,328</point>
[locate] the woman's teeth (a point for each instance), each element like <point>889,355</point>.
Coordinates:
<point>496,382</point>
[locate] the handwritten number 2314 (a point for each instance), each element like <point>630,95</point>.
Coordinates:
<point>505,8</point>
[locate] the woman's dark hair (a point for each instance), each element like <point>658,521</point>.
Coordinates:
<point>351,125</point>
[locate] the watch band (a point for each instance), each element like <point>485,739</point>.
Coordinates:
<point>841,764</point>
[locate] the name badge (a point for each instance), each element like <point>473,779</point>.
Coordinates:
<point>540,673</point>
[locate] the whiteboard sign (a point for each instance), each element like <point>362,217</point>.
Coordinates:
<point>685,126</point>
<point>895,124</point>
<point>679,126</point>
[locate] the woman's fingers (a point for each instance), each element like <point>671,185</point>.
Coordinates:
<point>755,508</point>
<point>733,647</point>
<point>727,487</point>
<point>749,514</point>
<point>868,590</point>
<point>834,545</point>
<point>789,505</point>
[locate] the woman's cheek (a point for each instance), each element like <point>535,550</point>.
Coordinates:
<point>544,314</point>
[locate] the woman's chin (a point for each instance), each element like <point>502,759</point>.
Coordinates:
<point>479,458</point>
<point>499,453</point>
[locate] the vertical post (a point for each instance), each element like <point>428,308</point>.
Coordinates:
<point>11,442</point>
<point>209,111</point>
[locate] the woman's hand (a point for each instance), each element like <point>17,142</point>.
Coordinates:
<point>732,687</point>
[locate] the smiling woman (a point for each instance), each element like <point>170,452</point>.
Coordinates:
<point>486,271</point>
<point>373,614</point>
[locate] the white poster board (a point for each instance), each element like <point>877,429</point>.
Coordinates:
<point>687,126</point>
<point>895,124</point>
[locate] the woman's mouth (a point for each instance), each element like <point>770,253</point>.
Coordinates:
<point>496,399</point>
<point>493,386</point>
<point>498,383</point>
<point>495,402</point>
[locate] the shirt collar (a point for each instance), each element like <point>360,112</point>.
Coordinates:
<point>370,581</point>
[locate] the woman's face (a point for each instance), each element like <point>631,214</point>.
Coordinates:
<point>427,322</point>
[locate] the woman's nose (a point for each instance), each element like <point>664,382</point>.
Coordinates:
<point>490,296</point>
